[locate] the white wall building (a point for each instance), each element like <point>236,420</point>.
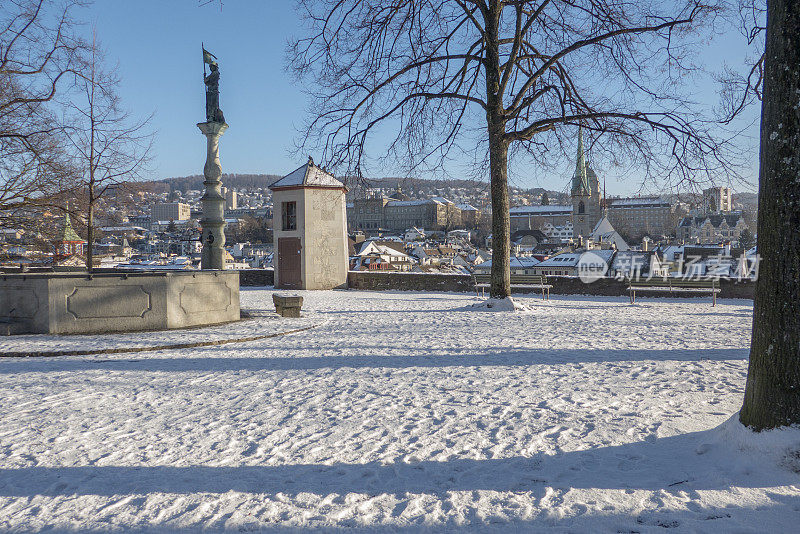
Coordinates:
<point>717,199</point>
<point>309,230</point>
<point>170,211</point>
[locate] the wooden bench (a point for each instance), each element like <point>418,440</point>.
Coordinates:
<point>675,285</point>
<point>287,305</point>
<point>527,281</point>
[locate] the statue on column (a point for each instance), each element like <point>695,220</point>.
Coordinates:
<point>213,220</point>
<point>213,113</point>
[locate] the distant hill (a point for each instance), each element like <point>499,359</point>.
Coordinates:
<point>413,187</point>
<point>233,181</point>
<point>748,199</point>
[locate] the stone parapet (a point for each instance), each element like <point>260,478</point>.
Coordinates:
<point>67,303</point>
<point>562,285</point>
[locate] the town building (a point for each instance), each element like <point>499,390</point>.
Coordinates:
<point>568,263</point>
<point>631,264</point>
<point>558,234</point>
<point>636,217</point>
<point>711,228</point>
<point>170,211</point>
<point>537,217</point>
<point>380,255</point>
<point>470,215</point>
<point>376,212</point>
<point>527,240</point>
<point>367,213</point>
<point>517,264</point>
<point>717,200</point>
<point>231,199</point>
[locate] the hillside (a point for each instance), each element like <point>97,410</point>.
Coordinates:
<point>458,190</point>
<point>233,181</point>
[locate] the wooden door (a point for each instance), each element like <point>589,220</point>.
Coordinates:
<point>289,262</point>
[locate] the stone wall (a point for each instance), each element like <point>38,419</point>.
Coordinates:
<point>256,277</point>
<point>381,281</point>
<point>562,285</point>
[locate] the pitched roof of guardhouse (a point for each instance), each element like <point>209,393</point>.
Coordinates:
<point>307,175</point>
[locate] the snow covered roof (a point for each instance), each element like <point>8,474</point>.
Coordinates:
<point>571,259</point>
<point>516,262</point>
<point>375,248</point>
<point>123,228</point>
<point>466,207</point>
<point>541,210</point>
<point>568,259</point>
<point>409,202</point>
<point>308,175</point>
<point>669,252</point>
<point>604,233</point>
<point>631,259</point>
<point>637,202</point>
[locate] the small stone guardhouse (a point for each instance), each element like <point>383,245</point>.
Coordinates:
<point>309,226</point>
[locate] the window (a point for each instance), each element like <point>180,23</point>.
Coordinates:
<point>581,207</point>
<point>289,215</point>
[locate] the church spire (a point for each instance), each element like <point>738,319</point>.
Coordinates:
<point>580,181</point>
<point>68,234</point>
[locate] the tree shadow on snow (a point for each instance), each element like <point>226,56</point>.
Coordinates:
<point>441,358</point>
<point>684,463</point>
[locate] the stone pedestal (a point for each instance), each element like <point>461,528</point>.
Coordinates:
<point>64,303</point>
<point>287,305</point>
<point>213,221</point>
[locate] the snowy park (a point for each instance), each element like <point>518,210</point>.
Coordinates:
<point>399,412</point>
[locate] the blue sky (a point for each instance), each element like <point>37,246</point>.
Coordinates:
<point>157,47</point>
<point>156,44</point>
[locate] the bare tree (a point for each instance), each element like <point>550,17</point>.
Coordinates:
<point>772,394</point>
<point>507,77</point>
<point>740,89</point>
<point>110,147</point>
<point>39,53</point>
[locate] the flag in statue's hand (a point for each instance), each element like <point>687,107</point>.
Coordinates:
<point>208,57</point>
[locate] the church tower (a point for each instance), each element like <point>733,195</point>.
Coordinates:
<point>586,201</point>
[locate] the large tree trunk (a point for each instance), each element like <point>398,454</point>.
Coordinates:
<point>498,159</point>
<point>772,395</point>
<point>501,224</point>
<point>90,231</point>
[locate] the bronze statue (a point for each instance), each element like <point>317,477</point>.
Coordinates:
<point>213,113</point>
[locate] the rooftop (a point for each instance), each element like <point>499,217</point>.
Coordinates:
<point>540,210</point>
<point>308,174</point>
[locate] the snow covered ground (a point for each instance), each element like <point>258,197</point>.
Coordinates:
<point>403,412</point>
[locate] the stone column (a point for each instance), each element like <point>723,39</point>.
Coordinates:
<point>213,221</point>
